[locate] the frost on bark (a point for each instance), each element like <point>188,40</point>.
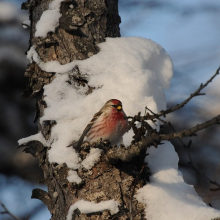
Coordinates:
<point>83,24</point>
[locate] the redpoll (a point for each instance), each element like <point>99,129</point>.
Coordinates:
<point>110,123</point>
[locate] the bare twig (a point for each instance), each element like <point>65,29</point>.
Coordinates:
<point>156,116</point>
<point>126,154</point>
<point>194,165</point>
<point>181,105</point>
<point>192,162</point>
<point>8,212</point>
<point>155,138</point>
<point>133,190</point>
<point>191,131</point>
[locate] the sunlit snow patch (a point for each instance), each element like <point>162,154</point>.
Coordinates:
<point>90,207</point>
<point>73,177</point>
<point>91,158</point>
<point>133,70</point>
<point>49,20</point>
<point>168,197</point>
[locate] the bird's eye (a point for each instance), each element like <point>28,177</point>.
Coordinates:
<point>118,107</point>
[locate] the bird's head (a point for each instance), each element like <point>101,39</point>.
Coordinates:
<point>114,104</point>
<point>113,107</point>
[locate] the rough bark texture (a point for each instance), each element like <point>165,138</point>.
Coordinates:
<point>81,28</point>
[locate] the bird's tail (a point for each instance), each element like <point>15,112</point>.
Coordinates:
<point>76,145</point>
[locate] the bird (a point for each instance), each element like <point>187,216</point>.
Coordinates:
<point>110,123</point>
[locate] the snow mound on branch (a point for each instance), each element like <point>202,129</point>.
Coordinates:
<point>49,20</point>
<point>73,177</point>
<point>168,197</point>
<point>135,71</point>
<point>92,157</point>
<point>90,207</point>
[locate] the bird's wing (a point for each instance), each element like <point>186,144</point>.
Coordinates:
<point>76,145</point>
<point>80,141</point>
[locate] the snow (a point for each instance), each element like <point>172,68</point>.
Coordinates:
<point>127,138</point>
<point>26,24</point>
<point>90,207</point>
<point>135,71</point>
<point>127,64</point>
<point>73,177</point>
<point>49,20</point>
<point>64,155</point>
<point>52,66</point>
<point>168,196</point>
<point>37,136</point>
<point>93,157</point>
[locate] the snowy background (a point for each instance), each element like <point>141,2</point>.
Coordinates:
<point>188,31</point>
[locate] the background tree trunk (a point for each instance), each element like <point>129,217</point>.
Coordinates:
<point>82,26</point>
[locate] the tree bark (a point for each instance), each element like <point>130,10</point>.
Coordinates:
<point>83,24</point>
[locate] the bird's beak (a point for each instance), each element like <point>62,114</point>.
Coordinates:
<point>119,107</point>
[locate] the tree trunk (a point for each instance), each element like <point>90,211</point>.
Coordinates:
<point>83,24</point>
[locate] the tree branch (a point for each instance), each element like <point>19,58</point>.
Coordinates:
<point>193,164</point>
<point>155,138</point>
<point>181,105</point>
<point>8,212</point>
<point>191,131</point>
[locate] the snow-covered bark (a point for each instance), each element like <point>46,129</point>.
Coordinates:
<point>73,72</point>
<point>82,25</point>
